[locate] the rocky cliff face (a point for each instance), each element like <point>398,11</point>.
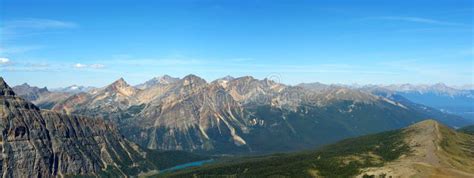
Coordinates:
<point>37,143</point>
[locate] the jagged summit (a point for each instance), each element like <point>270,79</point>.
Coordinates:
<point>223,81</point>
<point>193,79</point>
<point>5,90</point>
<point>245,78</point>
<point>25,84</point>
<point>118,84</point>
<point>228,78</point>
<point>165,77</point>
<point>121,87</point>
<point>120,81</point>
<point>157,81</point>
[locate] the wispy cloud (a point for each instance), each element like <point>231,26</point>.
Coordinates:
<point>18,49</point>
<point>415,20</point>
<point>90,66</point>
<point>33,23</point>
<point>30,26</point>
<point>7,64</point>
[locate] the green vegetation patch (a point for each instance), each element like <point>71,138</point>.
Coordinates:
<point>467,129</point>
<point>342,159</point>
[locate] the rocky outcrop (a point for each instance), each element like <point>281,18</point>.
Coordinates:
<point>37,143</point>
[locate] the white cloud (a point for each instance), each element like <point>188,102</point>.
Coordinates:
<point>4,61</point>
<point>92,66</point>
<point>79,65</point>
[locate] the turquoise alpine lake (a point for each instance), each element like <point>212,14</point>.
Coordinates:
<point>187,165</point>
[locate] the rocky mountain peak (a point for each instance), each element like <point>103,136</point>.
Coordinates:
<point>193,79</point>
<point>245,78</point>
<point>228,78</point>
<point>120,83</point>
<point>243,81</point>
<point>160,80</point>
<point>270,81</point>
<point>25,84</point>
<point>440,85</point>
<point>165,79</point>
<point>5,90</point>
<point>122,87</point>
<point>224,81</point>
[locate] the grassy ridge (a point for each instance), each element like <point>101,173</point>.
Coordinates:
<point>458,149</point>
<point>342,159</point>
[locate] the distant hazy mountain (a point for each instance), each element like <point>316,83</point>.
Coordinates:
<point>73,89</point>
<point>241,115</point>
<point>163,80</point>
<point>112,98</point>
<point>425,149</point>
<point>41,97</point>
<point>440,96</point>
<point>28,92</point>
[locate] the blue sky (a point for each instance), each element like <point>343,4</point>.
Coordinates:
<point>89,42</point>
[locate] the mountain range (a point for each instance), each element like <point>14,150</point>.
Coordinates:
<point>440,96</point>
<point>242,115</point>
<point>123,130</point>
